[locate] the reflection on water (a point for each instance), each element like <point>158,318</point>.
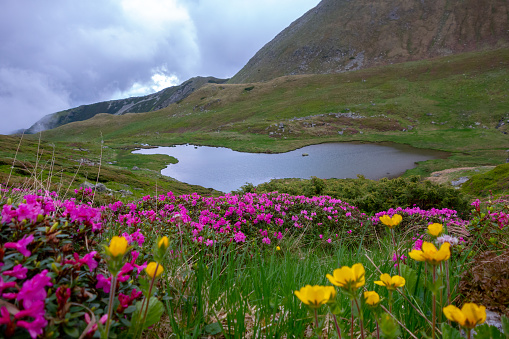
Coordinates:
<point>227,170</point>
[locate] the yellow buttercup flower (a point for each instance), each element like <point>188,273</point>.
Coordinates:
<point>316,296</point>
<point>163,242</point>
<point>348,278</point>
<point>430,254</point>
<point>391,282</point>
<point>469,316</point>
<point>278,248</point>
<point>118,246</point>
<point>372,298</point>
<point>435,229</point>
<point>391,222</point>
<point>151,269</point>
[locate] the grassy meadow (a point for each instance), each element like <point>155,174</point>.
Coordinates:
<point>172,260</point>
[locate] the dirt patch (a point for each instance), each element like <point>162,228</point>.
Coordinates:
<point>450,174</point>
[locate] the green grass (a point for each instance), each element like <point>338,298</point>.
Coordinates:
<point>58,166</point>
<point>494,182</point>
<point>455,104</point>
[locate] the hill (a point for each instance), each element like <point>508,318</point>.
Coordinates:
<point>457,104</point>
<point>146,103</point>
<point>344,35</point>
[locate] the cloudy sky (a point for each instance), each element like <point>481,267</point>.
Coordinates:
<point>59,54</point>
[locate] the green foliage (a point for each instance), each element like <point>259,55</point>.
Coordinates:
<point>449,332</point>
<point>371,196</point>
<point>495,181</point>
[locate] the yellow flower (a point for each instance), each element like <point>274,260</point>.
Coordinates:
<point>372,298</point>
<point>391,282</point>
<point>278,248</point>
<point>435,229</point>
<point>118,246</point>
<point>151,269</point>
<point>348,278</point>
<point>430,254</point>
<point>163,242</point>
<point>469,316</point>
<point>391,222</point>
<point>316,296</point>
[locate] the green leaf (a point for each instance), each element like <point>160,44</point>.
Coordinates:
<point>155,311</point>
<point>130,309</point>
<point>436,286</point>
<point>410,276</point>
<point>449,332</point>
<point>72,331</point>
<point>389,327</point>
<point>505,326</point>
<point>213,329</point>
<point>486,331</point>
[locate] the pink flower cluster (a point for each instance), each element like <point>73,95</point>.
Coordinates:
<point>31,295</point>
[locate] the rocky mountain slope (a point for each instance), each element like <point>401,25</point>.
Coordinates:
<point>344,35</point>
<point>147,103</point>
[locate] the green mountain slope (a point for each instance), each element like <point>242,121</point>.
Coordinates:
<point>457,104</point>
<point>343,35</point>
<point>146,103</point>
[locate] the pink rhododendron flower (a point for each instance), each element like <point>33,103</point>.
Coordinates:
<point>239,237</point>
<point>88,260</point>
<point>34,290</point>
<point>34,311</point>
<point>5,316</point>
<point>104,283</point>
<point>21,245</point>
<point>34,328</point>
<point>19,272</point>
<point>94,327</point>
<point>418,244</point>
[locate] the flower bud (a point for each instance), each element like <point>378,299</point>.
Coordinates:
<point>54,227</point>
<point>54,268</point>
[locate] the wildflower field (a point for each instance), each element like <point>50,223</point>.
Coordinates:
<point>249,265</point>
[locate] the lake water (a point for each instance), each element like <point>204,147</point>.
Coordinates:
<point>226,170</point>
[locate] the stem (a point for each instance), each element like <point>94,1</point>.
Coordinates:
<point>148,297</point>
<point>316,324</point>
<point>434,305</point>
<point>337,326</point>
<point>390,301</point>
<point>396,250</point>
<point>361,323</point>
<point>377,330</point>
<point>469,332</point>
<point>448,286</point>
<point>351,320</point>
<point>110,304</point>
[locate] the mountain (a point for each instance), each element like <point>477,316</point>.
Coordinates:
<point>146,103</point>
<point>344,35</point>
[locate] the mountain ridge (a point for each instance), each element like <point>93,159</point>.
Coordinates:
<point>344,35</point>
<point>147,103</point>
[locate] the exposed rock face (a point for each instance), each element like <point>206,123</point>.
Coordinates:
<point>344,35</point>
<point>147,103</point>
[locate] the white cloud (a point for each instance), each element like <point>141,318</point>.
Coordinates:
<point>61,54</point>
<point>26,96</point>
<point>158,81</point>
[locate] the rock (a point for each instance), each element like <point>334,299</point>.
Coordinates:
<point>125,192</point>
<point>305,154</point>
<point>459,181</point>
<point>100,187</point>
<point>136,168</point>
<point>86,184</point>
